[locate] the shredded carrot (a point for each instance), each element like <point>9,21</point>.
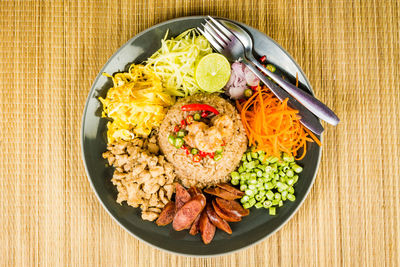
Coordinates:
<point>272,126</point>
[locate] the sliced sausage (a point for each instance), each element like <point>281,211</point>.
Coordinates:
<point>231,207</point>
<point>231,189</point>
<point>181,196</point>
<point>186,215</point>
<point>167,214</point>
<point>194,229</point>
<point>223,215</point>
<point>216,191</point>
<point>193,191</point>
<point>216,220</point>
<point>207,229</point>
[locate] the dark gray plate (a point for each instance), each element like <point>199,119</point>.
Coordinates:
<point>253,228</point>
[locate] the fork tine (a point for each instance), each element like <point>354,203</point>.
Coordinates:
<point>225,30</point>
<point>211,39</point>
<point>215,35</point>
<point>217,31</point>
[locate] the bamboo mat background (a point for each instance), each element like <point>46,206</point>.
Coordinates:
<point>50,53</point>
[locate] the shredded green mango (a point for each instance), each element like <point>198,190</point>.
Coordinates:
<point>175,62</point>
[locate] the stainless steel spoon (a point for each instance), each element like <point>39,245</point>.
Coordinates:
<point>308,119</point>
<point>311,103</point>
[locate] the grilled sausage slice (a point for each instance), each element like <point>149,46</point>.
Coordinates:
<point>186,215</point>
<point>207,229</point>
<point>231,207</point>
<point>167,214</point>
<point>193,191</point>
<point>231,189</point>
<point>194,229</point>
<point>216,220</point>
<point>181,196</point>
<point>225,216</point>
<point>222,193</point>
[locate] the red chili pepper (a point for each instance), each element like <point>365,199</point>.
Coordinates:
<point>202,154</point>
<point>177,128</point>
<point>254,88</point>
<point>189,119</point>
<point>211,155</point>
<point>183,123</point>
<point>204,114</point>
<point>263,59</point>
<point>204,107</point>
<point>223,143</point>
<point>196,158</point>
<point>187,152</point>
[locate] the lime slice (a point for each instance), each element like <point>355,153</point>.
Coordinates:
<point>213,72</point>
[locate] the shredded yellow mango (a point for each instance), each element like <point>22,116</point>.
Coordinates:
<point>136,104</point>
<point>175,62</point>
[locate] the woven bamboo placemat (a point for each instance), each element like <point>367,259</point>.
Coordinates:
<point>50,53</point>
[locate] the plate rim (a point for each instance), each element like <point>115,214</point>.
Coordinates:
<point>83,120</point>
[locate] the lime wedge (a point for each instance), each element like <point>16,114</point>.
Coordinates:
<point>213,72</point>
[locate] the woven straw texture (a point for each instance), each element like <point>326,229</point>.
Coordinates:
<point>50,53</point>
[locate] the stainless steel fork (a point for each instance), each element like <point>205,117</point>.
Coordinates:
<point>225,42</point>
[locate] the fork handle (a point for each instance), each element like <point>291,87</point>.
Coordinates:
<point>307,118</point>
<point>307,100</point>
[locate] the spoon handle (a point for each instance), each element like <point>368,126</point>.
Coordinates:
<point>307,118</point>
<point>307,100</point>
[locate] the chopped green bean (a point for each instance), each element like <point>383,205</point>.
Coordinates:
<point>252,187</point>
<point>244,199</point>
<point>258,205</point>
<point>252,181</point>
<point>272,211</point>
<point>235,175</point>
<point>297,168</point>
<point>291,190</point>
<point>246,205</point>
<point>267,181</point>
<point>289,173</point>
<point>268,185</point>
<point>291,197</point>
<point>267,204</point>
<point>270,195</point>
<point>272,159</point>
<point>284,195</point>
<point>249,192</point>
<point>249,156</point>
<point>252,201</point>
<point>235,181</point>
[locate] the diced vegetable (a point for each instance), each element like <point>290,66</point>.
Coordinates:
<point>266,181</point>
<point>196,116</point>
